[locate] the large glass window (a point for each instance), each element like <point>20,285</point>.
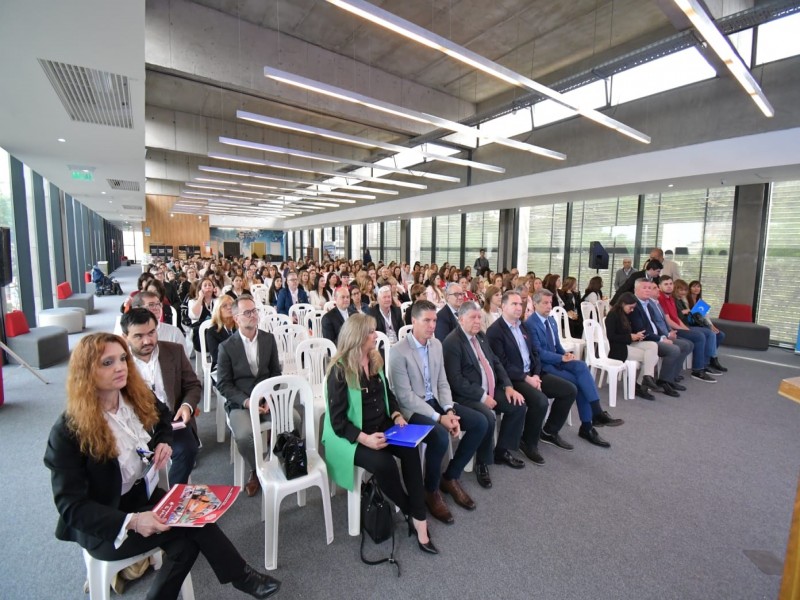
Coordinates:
<point>448,240</point>
<point>391,241</point>
<point>778,307</point>
<point>546,230</point>
<point>422,238</point>
<point>357,241</point>
<point>695,226</point>
<point>483,231</point>
<point>7,220</point>
<point>338,241</point>
<point>778,39</point>
<point>373,241</point>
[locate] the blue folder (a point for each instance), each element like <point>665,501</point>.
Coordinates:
<point>409,435</point>
<point>701,308</point>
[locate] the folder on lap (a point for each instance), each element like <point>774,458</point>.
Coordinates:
<point>409,435</point>
<point>701,308</point>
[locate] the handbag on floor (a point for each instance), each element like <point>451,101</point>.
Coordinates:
<point>376,521</point>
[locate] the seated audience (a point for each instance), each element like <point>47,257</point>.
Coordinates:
<point>292,294</point>
<point>223,325</point>
<point>320,294</point>
<point>388,316</point>
<point>447,319</point>
<point>274,290</point>
<point>491,307</point>
<point>166,331</point>
<point>571,303</point>
<point>334,319</point>
<point>594,291</point>
<point>680,294</point>
<point>650,274</point>
<point>237,287</point>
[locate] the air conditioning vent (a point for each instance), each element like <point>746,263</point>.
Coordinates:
<point>131,207</point>
<point>121,184</point>
<point>89,95</point>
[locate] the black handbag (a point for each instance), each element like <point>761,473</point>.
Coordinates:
<point>376,520</point>
<point>292,449</point>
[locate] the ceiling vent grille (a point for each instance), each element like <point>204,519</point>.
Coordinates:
<point>89,95</point>
<point>121,184</point>
<point>131,207</point>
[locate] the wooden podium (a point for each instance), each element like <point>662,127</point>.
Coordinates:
<point>790,583</point>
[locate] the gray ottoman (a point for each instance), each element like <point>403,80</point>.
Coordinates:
<point>84,301</point>
<point>42,346</point>
<point>743,335</point>
<point>71,319</point>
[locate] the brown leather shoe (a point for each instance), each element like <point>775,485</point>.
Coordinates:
<point>438,507</point>
<point>453,487</point>
<point>252,486</point>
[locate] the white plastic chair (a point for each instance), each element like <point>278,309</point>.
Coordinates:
<point>272,320</point>
<point>297,312</point>
<point>567,341</point>
<point>403,333</point>
<point>205,363</point>
<point>589,310</point>
<point>174,316</point>
<point>596,350</point>
<point>281,394</point>
<point>259,293</point>
<point>287,337</point>
<point>329,305</point>
<point>404,306</point>
<point>100,573</point>
<point>312,357</point>
<point>313,322</point>
<point>382,344</point>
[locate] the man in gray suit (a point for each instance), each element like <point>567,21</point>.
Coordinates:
<point>419,382</point>
<point>243,361</point>
<point>622,274</point>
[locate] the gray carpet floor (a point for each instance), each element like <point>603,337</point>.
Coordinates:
<point>689,485</point>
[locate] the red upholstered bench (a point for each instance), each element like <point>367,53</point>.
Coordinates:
<point>736,320</point>
<point>68,299</point>
<point>40,347</point>
<point>736,312</point>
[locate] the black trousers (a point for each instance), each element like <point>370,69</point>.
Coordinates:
<point>181,545</point>
<point>564,394</point>
<point>381,464</point>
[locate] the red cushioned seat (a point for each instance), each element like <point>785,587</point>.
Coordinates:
<point>16,324</point>
<point>736,312</point>
<point>87,277</point>
<point>64,290</point>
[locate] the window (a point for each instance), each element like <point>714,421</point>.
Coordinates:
<point>448,240</point>
<point>338,241</point>
<point>13,301</point>
<point>612,222</point>
<point>391,241</point>
<point>778,307</point>
<point>425,244</point>
<point>373,241</point>
<point>357,241</point>
<point>778,39</point>
<point>483,231</point>
<point>546,230</point>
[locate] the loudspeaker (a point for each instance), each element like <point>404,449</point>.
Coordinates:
<point>598,257</point>
<point>5,256</point>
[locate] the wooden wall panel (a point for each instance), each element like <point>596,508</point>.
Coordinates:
<point>174,231</point>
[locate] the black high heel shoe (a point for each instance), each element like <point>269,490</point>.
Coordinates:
<point>428,548</point>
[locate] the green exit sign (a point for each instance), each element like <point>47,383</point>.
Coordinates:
<point>83,175</point>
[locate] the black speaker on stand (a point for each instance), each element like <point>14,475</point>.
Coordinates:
<point>598,257</point>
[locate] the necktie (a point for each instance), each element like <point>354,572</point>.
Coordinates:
<point>651,317</point>
<point>550,339</point>
<point>486,367</point>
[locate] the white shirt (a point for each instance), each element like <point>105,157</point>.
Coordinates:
<point>169,333</point>
<point>151,373</point>
<point>345,314</point>
<point>251,350</point>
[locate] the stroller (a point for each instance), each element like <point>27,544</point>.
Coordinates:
<point>104,286</point>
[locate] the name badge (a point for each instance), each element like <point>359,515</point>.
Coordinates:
<point>150,480</point>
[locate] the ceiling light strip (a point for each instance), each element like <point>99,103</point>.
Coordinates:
<point>427,38</point>
<point>361,100</point>
<point>703,22</point>
<point>289,167</point>
<point>333,159</point>
<point>359,141</point>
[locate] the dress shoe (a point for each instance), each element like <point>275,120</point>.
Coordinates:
<point>427,546</point>
<point>252,486</point>
<point>591,436</point>
<point>257,584</point>
<point>532,453</point>
<point>606,420</point>
<point>453,487</point>
<point>716,364</point>
<point>438,507</point>
<point>482,475</point>
<point>648,383</point>
<point>703,376</point>
<point>555,440</point>
<point>667,389</point>
<point>712,371</point>
<point>677,386</point>
<point>504,457</point>
<point>642,392</point>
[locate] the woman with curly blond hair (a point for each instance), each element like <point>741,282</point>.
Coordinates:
<point>111,435</point>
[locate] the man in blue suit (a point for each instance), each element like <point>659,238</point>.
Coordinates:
<point>513,346</point>
<point>291,294</point>
<point>557,361</point>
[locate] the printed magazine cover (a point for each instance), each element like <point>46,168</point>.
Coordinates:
<point>195,505</point>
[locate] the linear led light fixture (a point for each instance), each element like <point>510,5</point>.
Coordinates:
<point>399,111</point>
<point>226,201</point>
<point>390,21</point>
<point>361,188</point>
<point>359,141</point>
<point>722,46</point>
<point>333,159</point>
<point>257,195</point>
<point>289,167</point>
<point>310,192</point>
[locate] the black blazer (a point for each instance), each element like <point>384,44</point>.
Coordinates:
<point>214,338</point>
<point>235,381</point>
<point>87,492</point>
<point>463,369</point>
<point>505,347</point>
<point>394,311</point>
<point>446,322</point>
<point>619,336</point>
<point>332,323</point>
<point>641,322</point>
<point>629,284</point>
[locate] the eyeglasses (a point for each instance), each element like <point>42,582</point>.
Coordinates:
<point>249,313</point>
<point>457,294</point>
<point>154,306</point>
